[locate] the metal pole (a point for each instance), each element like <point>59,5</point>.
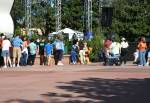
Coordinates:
<point>88,14</point>
<point>28,24</point>
<point>58,14</point>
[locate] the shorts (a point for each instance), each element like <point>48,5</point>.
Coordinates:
<point>48,55</point>
<point>16,52</point>
<point>5,53</point>
<point>148,54</point>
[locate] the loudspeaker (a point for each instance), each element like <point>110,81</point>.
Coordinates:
<point>107,13</point>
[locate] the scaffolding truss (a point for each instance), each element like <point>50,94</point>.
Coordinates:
<point>28,23</point>
<point>58,14</point>
<point>88,15</point>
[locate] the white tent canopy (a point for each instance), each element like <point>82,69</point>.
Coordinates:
<point>68,30</point>
<point>69,33</point>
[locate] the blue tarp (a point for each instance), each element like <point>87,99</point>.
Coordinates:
<point>89,35</point>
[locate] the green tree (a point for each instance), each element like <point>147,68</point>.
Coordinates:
<point>131,18</point>
<point>39,11</point>
<point>72,13</point>
<point>18,13</point>
<point>50,20</point>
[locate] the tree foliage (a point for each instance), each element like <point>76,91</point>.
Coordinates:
<point>131,18</point>
<point>72,14</point>
<point>18,13</point>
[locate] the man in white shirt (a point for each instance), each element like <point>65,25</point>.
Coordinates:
<point>5,52</point>
<point>124,50</point>
<point>124,43</point>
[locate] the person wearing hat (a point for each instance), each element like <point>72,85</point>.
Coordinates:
<point>124,50</point>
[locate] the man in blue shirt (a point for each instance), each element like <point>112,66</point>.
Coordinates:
<point>48,51</point>
<point>58,50</point>
<point>16,42</point>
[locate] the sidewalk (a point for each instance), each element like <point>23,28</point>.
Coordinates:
<point>92,83</point>
<point>69,67</point>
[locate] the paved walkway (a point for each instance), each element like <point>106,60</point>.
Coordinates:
<point>92,83</point>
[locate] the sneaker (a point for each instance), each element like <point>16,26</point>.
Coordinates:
<point>14,65</point>
<point>60,64</point>
<point>147,64</point>
<point>74,62</point>
<point>5,66</point>
<point>18,65</point>
<point>11,66</point>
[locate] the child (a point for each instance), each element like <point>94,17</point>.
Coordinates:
<point>136,56</point>
<point>74,52</point>
<point>24,57</point>
<point>48,51</point>
<point>87,53</point>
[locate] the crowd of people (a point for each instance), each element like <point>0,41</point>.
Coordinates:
<point>80,52</point>
<point>119,50</point>
<point>21,51</point>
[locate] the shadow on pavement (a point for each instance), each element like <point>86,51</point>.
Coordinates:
<point>97,90</point>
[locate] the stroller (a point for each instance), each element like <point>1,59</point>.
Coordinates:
<point>109,58</point>
<point>112,59</point>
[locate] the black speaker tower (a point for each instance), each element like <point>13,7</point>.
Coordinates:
<point>107,14</point>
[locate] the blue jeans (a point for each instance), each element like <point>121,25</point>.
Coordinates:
<point>23,60</point>
<point>142,57</point>
<point>73,57</point>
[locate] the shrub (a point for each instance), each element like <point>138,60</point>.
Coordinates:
<point>96,43</point>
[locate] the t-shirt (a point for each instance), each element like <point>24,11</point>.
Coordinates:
<point>58,45</point>
<point>115,48</point>
<point>142,46</point>
<point>37,43</point>
<point>25,44</point>
<point>25,50</point>
<point>48,48</point>
<point>41,47</point>
<point>6,44</point>
<point>74,48</point>
<point>17,42</point>
<point>32,48</point>
<point>124,44</point>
